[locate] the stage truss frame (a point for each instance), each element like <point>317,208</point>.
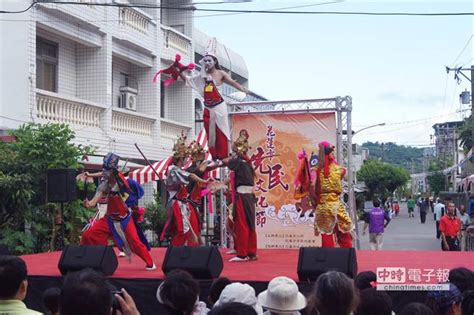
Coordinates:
<point>342,106</point>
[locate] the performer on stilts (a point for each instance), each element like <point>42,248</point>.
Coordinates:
<point>183,222</point>
<point>117,222</point>
<point>207,84</point>
<point>331,218</point>
<point>244,200</point>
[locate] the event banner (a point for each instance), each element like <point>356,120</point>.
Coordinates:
<point>275,139</point>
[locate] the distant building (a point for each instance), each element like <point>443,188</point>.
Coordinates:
<point>446,138</point>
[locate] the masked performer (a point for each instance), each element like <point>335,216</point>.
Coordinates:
<point>331,218</point>
<point>117,222</point>
<point>244,200</point>
<point>208,84</point>
<point>183,223</point>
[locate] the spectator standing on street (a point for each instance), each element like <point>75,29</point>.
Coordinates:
<point>438,214</point>
<point>450,227</point>
<point>411,207</point>
<point>465,222</point>
<point>376,220</point>
<point>423,205</point>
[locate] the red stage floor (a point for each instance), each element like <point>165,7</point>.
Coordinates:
<point>271,263</point>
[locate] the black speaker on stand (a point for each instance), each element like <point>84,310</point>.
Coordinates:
<point>61,187</point>
<point>204,262</point>
<point>314,261</point>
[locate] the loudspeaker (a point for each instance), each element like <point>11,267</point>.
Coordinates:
<point>314,261</point>
<point>202,262</point>
<point>99,258</point>
<point>61,185</point>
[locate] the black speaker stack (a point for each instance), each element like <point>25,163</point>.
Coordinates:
<point>61,185</point>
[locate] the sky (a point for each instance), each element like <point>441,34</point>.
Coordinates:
<point>393,67</point>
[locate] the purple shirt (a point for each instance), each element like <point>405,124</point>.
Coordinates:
<point>376,220</point>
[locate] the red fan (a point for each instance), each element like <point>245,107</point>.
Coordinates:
<point>174,70</point>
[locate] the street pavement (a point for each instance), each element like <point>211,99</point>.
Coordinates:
<point>404,233</point>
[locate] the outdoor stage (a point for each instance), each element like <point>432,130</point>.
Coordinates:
<point>43,272</point>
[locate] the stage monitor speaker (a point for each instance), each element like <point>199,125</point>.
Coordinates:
<point>202,262</point>
<point>100,258</point>
<point>61,185</point>
<point>314,261</point>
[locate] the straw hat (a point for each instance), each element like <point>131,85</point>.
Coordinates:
<point>282,296</point>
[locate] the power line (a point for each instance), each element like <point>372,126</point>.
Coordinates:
<point>144,6</point>
<point>465,46</point>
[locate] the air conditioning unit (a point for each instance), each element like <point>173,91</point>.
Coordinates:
<point>128,98</point>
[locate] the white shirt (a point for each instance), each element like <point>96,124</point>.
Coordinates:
<point>465,220</point>
<point>438,211</point>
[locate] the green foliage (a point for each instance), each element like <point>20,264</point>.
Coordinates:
<point>26,221</point>
<point>465,134</point>
<point>381,178</point>
<point>409,158</point>
<point>437,180</point>
<point>155,217</point>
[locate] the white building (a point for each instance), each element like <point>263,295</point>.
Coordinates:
<point>92,67</point>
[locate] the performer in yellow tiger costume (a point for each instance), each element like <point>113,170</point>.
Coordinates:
<point>331,219</point>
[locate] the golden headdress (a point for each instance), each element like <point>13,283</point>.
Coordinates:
<point>196,151</point>
<point>180,149</point>
<point>241,145</point>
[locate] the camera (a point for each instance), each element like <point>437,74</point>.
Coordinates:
<point>115,302</point>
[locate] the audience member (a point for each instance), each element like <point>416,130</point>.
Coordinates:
<point>447,302</point>
<point>282,297</point>
<point>233,308</point>
<point>467,305</point>
<point>239,292</point>
<point>216,288</point>
<point>365,280</point>
<point>372,301</point>
<point>332,294</point>
<point>13,286</point>
<point>88,286</point>
<point>416,309</point>
<point>463,278</point>
<point>51,300</point>
<point>179,293</point>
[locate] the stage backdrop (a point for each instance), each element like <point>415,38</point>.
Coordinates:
<point>281,220</point>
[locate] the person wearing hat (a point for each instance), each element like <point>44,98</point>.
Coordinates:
<point>331,218</point>
<point>242,293</point>
<point>445,302</point>
<point>182,223</point>
<point>282,297</point>
<point>208,84</point>
<point>117,222</point>
<point>244,199</point>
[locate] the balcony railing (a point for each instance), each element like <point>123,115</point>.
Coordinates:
<point>172,129</point>
<point>135,19</point>
<point>176,40</point>
<point>55,108</point>
<point>132,123</point>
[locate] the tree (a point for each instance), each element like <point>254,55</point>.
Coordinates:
<point>382,179</point>
<point>26,221</point>
<point>436,179</point>
<point>465,135</point>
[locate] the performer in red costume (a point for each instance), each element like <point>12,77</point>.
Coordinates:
<point>331,218</point>
<point>244,200</point>
<point>208,84</point>
<point>117,222</point>
<point>183,222</point>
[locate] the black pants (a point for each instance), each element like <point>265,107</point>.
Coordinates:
<point>438,232</point>
<point>453,243</point>
<point>423,216</point>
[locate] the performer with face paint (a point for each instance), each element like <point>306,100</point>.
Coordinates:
<point>208,84</point>
<point>331,218</point>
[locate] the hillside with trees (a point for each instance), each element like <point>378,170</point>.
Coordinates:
<point>409,158</point>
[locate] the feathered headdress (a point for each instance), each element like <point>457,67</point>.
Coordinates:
<point>325,149</point>
<point>211,48</point>
<point>241,145</point>
<point>180,149</point>
<point>196,151</point>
